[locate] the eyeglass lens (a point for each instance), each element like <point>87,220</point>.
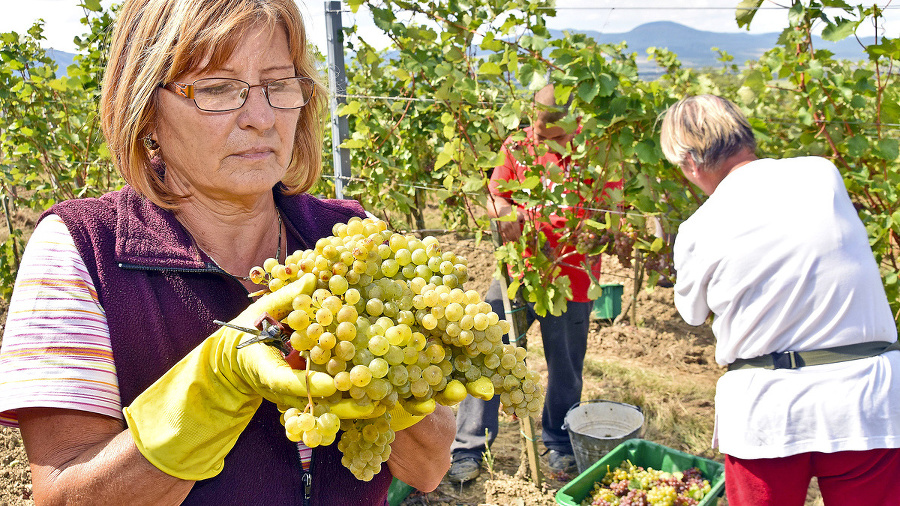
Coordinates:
<point>223,94</point>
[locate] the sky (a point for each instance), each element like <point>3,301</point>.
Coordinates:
<point>611,16</point>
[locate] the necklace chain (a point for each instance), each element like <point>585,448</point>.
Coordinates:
<point>277,252</point>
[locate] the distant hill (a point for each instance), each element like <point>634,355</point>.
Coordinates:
<point>694,47</point>
<point>62,59</point>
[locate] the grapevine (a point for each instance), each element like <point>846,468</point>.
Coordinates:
<point>619,243</point>
<point>390,323</point>
<point>631,485</point>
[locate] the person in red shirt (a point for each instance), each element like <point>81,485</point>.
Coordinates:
<point>564,336</point>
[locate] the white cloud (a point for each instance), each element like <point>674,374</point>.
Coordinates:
<point>61,20</point>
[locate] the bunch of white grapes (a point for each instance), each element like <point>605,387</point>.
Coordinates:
<point>390,324</point>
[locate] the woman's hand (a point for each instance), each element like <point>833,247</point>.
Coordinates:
<point>420,454</point>
<point>84,458</point>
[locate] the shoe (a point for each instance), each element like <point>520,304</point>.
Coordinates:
<point>562,462</point>
<point>464,469</point>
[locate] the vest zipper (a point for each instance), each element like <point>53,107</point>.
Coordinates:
<point>210,268</point>
<point>305,473</point>
<point>307,487</point>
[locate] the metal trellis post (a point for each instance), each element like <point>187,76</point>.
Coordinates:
<point>337,79</point>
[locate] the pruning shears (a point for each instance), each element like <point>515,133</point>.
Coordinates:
<point>270,331</point>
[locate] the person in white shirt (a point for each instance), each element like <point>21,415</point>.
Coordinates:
<point>778,255</point>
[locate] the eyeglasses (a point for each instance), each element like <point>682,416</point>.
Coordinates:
<point>219,94</point>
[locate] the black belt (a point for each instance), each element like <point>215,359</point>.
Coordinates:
<point>797,359</point>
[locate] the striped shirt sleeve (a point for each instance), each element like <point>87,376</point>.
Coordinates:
<point>56,349</point>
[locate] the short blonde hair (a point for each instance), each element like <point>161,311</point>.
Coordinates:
<point>707,128</point>
<point>157,41</point>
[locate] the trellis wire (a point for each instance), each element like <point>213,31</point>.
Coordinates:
<point>436,189</point>
<point>782,122</point>
<point>674,8</point>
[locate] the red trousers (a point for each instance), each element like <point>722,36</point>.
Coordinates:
<point>869,478</point>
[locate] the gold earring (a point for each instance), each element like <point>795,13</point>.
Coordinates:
<point>150,143</point>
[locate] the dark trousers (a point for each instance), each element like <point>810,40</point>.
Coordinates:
<point>565,343</point>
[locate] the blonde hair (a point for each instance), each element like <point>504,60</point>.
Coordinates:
<point>707,128</point>
<point>157,41</point>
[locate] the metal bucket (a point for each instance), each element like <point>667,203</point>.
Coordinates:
<point>596,427</point>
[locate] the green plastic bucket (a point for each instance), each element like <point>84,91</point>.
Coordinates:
<point>609,305</point>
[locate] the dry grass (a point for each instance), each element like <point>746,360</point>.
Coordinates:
<point>669,402</point>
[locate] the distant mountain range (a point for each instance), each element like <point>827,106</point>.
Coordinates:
<point>693,47</point>
<point>62,59</point>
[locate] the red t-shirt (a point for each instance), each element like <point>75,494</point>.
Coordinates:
<point>514,158</point>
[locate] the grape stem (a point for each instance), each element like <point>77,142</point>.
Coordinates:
<point>309,406</point>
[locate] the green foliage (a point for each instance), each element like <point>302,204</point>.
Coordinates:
<point>429,115</point>
<point>467,73</point>
<point>467,70</point>
<point>51,147</point>
<point>846,111</point>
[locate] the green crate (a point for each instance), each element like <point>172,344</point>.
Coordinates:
<point>398,492</point>
<point>609,305</point>
<point>645,454</point>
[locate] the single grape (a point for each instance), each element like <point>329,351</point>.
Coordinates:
<point>312,438</point>
<point>319,355</point>
<point>344,350</point>
<point>335,365</point>
<point>419,388</point>
<point>481,321</point>
<point>346,331</point>
<point>378,345</point>
<point>360,375</point>
<point>379,367</point>
<point>301,340</point>
<point>302,302</point>
<point>275,284</point>
<point>327,341</point>
<point>419,256</point>
<point>324,317</point>
<point>429,321</point>
<point>454,312</point>
<point>328,423</point>
<point>269,264</point>
<point>432,375</point>
<point>403,257</point>
<point>374,307</point>
<point>394,355</point>
<point>398,375</point>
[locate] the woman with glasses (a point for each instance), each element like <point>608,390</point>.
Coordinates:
<point>112,366</point>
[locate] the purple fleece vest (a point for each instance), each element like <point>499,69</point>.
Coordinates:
<point>161,295</point>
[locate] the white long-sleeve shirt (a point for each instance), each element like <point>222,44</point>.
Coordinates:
<point>780,258</point>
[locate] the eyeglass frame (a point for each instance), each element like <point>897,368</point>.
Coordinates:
<point>186,90</point>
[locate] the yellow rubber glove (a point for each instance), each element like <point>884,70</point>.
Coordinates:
<point>190,418</point>
<point>408,413</point>
<point>347,409</point>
